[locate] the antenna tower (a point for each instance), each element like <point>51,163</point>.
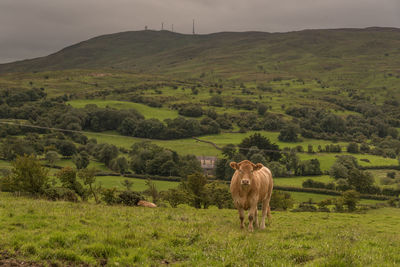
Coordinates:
<point>193,27</point>
<point>162,26</point>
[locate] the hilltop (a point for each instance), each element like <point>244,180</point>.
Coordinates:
<point>250,55</point>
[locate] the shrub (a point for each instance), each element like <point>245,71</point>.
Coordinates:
<point>305,207</point>
<point>353,148</point>
<point>351,198</point>
<point>109,195</point>
<point>61,193</point>
<point>129,198</point>
<point>174,197</point>
<point>289,134</point>
<point>28,175</point>
<point>391,175</point>
<point>281,200</point>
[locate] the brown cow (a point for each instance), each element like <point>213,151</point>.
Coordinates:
<point>251,183</point>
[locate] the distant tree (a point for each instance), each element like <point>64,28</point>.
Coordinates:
<point>281,200</point>
<point>191,111</point>
<point>261,109</point>
<point>219,195</point>
<point>67,177</point>
<point>81,160</point>
<point>28,175</point>
<point>258,158</point>
<point>353,148</point>
<point>51,157</point>
<point>216,101</point>
<point>88,176</point>
<point>351,198</point>
<point>229,150</point>
<point>119,164</point>
<point>289,134</point>
<point>195,186</point>
<point>310,149</point>
<point>107,153</point>
<point>174,197</point>
<point>269,150</point>
<point>66,148</point>
<point>127,184</point>
<point>152,190</point>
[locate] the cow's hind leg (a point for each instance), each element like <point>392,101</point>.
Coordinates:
<point>241,217</point>
<point>265,209</point>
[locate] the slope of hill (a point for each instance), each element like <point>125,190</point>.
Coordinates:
<point>80,234</point>
<point>230,54</point>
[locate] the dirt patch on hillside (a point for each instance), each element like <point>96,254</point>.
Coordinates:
<point>7,260</point>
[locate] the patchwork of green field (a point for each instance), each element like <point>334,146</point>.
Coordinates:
<point>5,164</point>
<point>77,233</point>
<point>327,159</point>
<point>146,111</point>
<point>182,146</point>
<point>138,184</point>
<point>380,175</point>
<point>298,181</point>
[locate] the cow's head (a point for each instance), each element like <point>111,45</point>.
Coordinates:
<point>245,170</point>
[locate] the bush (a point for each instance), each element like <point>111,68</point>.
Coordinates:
<point>28,175</point>
<point>305,207</point>
<point>391,175</point>
<point>353,148</point>
<point>174,197</point>
<point>130,198</point>
<point>289,134</point>
<point>281,200</point>
<point>351,198</point>
<point>109,195</point>
<point>60,193</point>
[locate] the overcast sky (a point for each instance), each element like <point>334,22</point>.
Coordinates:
<point>32,28</point>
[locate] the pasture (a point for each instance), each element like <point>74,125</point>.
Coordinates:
<point>83,233</point>
<point>146,111</point>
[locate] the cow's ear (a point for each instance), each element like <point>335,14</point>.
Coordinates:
<point>234,165</point>
<point>257,167</point>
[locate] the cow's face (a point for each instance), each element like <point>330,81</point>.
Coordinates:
<point>245,171</point>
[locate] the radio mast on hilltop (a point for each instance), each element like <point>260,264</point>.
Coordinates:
<point>193,27</point>
<point>162,26</point>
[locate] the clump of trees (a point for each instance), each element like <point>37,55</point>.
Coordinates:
<point>348,175</point>
<point>259,149</point>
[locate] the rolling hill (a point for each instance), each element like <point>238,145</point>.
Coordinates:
<point>250,55</point>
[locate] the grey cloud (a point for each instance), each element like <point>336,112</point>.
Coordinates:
<point>31,28</point>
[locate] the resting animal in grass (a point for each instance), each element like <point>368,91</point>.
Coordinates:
<point>251,183</point>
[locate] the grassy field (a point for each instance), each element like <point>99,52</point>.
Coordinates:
<point>146,111</point>
<point>298,181</point>
<point>138,184</point>
<point>327,159</point>
<point>77,233</point>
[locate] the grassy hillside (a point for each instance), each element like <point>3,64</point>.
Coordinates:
<point>69,233</point>
<point>251,55</point>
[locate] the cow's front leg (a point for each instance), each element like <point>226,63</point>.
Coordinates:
<point>241,217</point>
<point>252,213</point>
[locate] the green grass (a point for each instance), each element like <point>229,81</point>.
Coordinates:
<point>5,164</point>
<point>77,233</point>
<point>298,181</point>
<point>146,111</point>
<point>182,146</point>
<point>138,184</point>
<point>327,159</point>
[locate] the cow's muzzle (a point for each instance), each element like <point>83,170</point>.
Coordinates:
<point>245,182</point>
